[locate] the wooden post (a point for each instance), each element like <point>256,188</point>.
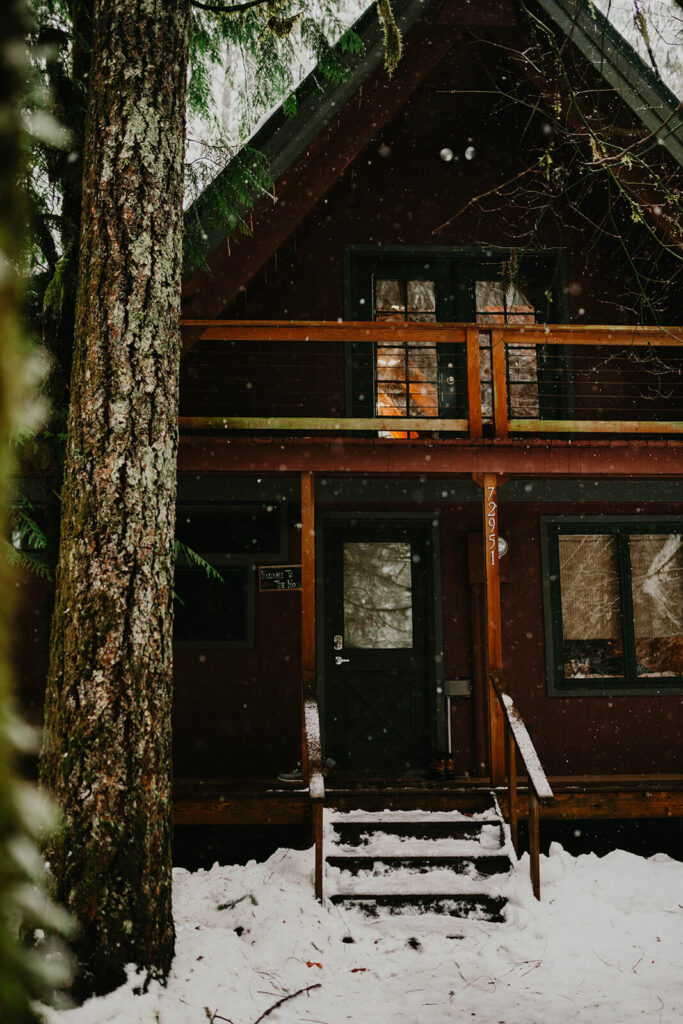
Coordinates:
<point>534,842</point>
<point>307,604</point>
<point>474,384</point>
<point>512,786</point>
<point>494,641</point>
<point>479,680</point>
<point>500,397</point>
<point>317,815</point>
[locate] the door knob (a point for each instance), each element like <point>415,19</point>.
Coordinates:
<point>340,661</point>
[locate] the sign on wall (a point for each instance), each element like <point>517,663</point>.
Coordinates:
<point>279,577</point>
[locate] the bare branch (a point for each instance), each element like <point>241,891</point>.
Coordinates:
<point>284,1000</point>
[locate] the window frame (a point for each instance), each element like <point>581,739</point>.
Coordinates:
<point>620,527</point>
<point>460,267</point>
<point>247,562</point>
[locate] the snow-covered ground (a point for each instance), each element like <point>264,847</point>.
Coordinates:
<point>605,946</point>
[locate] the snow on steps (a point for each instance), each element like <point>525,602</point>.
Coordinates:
<point>415,862</point>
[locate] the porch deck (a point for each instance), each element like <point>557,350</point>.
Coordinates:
<point>267,802</point>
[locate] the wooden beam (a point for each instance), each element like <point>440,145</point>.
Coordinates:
<point>533,458</point>
<point>389,332</point>
<point>534,843</point>
<point>596,426</point>
<point>327,424</point>
<point>317,816</point>
<point>500,387</point>
<point>578,334</point>
<point>494,639</point>
<point>474,384</point>
<point>261,809</point>
<point>605,805</point>
<point>312,331</point>
<point>307,603</point>
<point>311,176</point>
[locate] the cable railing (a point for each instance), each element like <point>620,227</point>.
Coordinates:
<point>406,380</point>
<point>517,740</point>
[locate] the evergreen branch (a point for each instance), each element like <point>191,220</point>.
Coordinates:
<point>24,560</point>
<point>196,559</point>
<point>28,528</point>
<point>229,8</point>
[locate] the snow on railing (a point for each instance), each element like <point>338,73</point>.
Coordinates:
<point>517,739</point>
<point>314,778</point>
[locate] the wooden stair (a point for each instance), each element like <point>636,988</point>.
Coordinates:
<point>414,862</point>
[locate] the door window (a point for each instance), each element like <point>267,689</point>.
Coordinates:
<point>377,595</point>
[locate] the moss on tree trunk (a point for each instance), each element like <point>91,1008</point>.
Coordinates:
<point>106,753</point>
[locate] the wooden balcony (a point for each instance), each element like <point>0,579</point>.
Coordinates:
<point>487,382</point>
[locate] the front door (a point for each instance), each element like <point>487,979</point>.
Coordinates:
<point>377,644</point>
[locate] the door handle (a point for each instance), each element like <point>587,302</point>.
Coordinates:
<point>340,661</point>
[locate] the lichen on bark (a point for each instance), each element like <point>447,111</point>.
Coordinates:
<point>106,752</point>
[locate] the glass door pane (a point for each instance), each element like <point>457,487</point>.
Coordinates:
<point>377,595</point>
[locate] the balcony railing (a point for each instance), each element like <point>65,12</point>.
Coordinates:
<point>397,379</point>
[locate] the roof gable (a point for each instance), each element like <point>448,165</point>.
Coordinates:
<point>309,153</point>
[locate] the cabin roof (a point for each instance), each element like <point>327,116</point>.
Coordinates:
<point>283,139</point>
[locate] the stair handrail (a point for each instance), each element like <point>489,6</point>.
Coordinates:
<point>314,779</point>
<point>517,738</point>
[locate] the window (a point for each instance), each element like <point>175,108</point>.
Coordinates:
<point>442,285</point>
<point>407,375</point>
<point>499,305</point>
<point>215,601</point>
<point>614,605</point>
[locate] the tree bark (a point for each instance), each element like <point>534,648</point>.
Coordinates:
<point>106,752</point>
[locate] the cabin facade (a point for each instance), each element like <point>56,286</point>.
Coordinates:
<point>434,451</point>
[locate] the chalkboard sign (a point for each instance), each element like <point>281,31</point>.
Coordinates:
<point>279,577</point>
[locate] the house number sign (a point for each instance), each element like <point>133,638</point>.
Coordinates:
<point>491,524</point>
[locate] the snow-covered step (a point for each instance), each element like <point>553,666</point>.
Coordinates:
<point>378,843</point>
<point>481,906</point>
<point>481,866</point>
<point>358,831</point>
<point>414,862</point>
<point>437,882</point>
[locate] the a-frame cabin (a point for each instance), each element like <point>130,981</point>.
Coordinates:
<point>436,486</point>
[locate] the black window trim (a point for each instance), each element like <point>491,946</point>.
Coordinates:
<point>458,307</point>
<point>621,526</point>
<point>248,561</point>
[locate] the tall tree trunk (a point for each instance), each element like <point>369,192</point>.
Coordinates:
<point>106,752</point>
